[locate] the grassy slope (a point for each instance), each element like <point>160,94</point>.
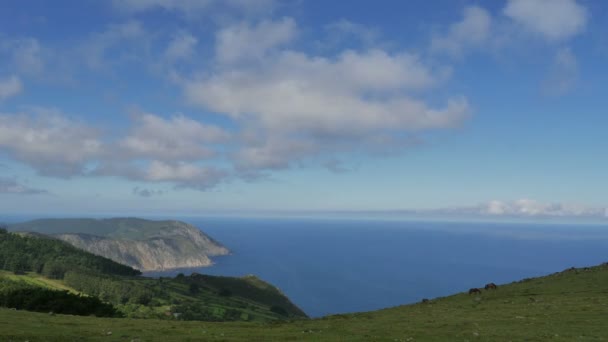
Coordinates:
<point>251,296</point>
<point>567,306</point>
<point>35,279</point>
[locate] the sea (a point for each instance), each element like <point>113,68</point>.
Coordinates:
<point>332,266</point>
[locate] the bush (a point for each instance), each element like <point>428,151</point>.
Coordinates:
<point>279,310</point>
<point>225,293</point>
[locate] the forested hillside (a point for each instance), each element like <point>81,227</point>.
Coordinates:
<point>36,266</point>
<point>146,245</point>
<point>53,258</point>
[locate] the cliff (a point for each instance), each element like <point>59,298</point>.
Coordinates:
<point>142,244</point>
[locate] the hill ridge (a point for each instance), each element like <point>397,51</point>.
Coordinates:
<point>147,245</point>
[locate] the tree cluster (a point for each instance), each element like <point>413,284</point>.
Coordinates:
<point>109,289</point>
<point>52,258</point>
<point>21,296</point>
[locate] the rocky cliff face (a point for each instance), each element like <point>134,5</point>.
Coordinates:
<point>174,245</point>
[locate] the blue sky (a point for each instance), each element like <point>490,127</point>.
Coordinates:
<point>492,108</point>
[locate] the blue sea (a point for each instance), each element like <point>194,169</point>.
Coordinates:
<point>330,266</point>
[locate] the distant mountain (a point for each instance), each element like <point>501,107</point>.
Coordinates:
<point>142,244</point>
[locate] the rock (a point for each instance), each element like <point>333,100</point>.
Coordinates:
<point>175,245</point>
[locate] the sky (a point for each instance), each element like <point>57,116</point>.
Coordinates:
<point>491,108</point>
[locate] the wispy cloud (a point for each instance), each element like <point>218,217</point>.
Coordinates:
<point>143,192</point>
<point>563,74</point>
<point>10,87</point>
<point>12,186</point>
<point>554,20</point>
<point>130,36</point>
<point>474,30</point>
<point>528,208</point>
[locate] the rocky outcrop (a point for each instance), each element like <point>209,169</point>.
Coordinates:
<point>150,255</point>
<point>145,245</point>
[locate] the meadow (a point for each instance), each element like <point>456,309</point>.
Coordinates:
<point>571,305</point>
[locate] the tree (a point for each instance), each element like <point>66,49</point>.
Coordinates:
<point>194,288</point>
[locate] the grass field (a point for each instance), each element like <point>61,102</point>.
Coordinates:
<point>566,306</point>
<point>35,279</point>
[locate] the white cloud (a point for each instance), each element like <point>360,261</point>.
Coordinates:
<point>244,41</point>
<point>185,174</point>
<point>10,87</point>
<point>564,73</point>
<point>291,105</point>
<point>155,149</point>
<point>552,19</point>
<point>12,186</point>
<point>174,139</point>
<point>473,30</point>
<point>532,208</point>
<point>273,152</point>
<point>181,46</point>
<point>51,143</point>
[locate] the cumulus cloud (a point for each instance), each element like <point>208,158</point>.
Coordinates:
<point>173,139</point>
<point>564,73</point>
<point>10,87</point>
<point>51,143</point>
<point>12,186</point>
<point>293,105</point>
<point>285,106</point>
<point>155,149</point>
<point>185,175</point>
<point>473,30</point>
<point>553,20</point>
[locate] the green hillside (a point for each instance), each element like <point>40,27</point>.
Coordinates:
<point>145,245</point>
<point>117,228</point>
<point>100,227</point>
<point>35,263</point>
<point>36,253</point>
<point>566,306</point>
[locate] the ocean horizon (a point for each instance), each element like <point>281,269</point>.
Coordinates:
<point>334,266</point>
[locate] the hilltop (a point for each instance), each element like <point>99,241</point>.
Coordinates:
<point>565,306</point>
<point>145,245</point>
